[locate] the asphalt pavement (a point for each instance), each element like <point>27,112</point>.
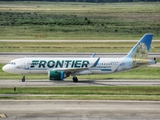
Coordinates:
<point>68,82</point>
<point>79,110</point>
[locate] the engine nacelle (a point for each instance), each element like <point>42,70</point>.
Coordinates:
<point>56,75</point>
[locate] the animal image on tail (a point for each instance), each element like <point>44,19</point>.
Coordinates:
<point>141,54</point>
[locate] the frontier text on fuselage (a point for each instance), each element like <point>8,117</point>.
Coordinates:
<point>60,63</point>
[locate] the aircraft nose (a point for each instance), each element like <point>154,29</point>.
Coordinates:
<point>5,68</point>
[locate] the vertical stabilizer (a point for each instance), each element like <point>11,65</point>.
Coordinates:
<point>140,51</point>
<point>138,56</point>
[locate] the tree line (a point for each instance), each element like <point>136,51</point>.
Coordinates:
<point>94,1</point>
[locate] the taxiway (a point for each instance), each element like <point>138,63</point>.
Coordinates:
<point>79,110</point>
<point>41,83</point>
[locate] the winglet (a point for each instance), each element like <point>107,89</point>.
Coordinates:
<point>96,63</point>
<point>93,55</point>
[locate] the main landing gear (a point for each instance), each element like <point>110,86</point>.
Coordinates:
<point>75,79</point>
<point>23,79</point>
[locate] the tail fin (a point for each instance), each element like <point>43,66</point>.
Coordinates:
<point>140,51</point>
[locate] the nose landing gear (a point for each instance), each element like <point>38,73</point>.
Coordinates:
<point>23,79</point>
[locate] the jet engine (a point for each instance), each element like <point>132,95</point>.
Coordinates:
<point>56,75</point>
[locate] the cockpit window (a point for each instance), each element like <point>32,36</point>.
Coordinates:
<point>12,63</point>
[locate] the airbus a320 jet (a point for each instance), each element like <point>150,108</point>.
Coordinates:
<point>61,68</point>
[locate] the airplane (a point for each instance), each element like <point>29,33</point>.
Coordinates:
<point>61,68</point>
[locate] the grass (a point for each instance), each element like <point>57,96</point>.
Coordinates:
<point>71,47</point>
<point>85,90</point>
<point>81,97</point>
<point>86,93</point>
<point>80,21</point>
<point>52,20</point>
<point>131,97</point>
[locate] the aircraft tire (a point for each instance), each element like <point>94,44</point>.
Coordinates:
<point>23,79</point>
<point>75,79</point>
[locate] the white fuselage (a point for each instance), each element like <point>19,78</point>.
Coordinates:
<point>43,65</point>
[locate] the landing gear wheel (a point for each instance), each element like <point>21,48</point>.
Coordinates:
<point>23,79</point>
<point>75,79</point>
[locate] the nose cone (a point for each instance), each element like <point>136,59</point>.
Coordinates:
<point>5,68</point>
